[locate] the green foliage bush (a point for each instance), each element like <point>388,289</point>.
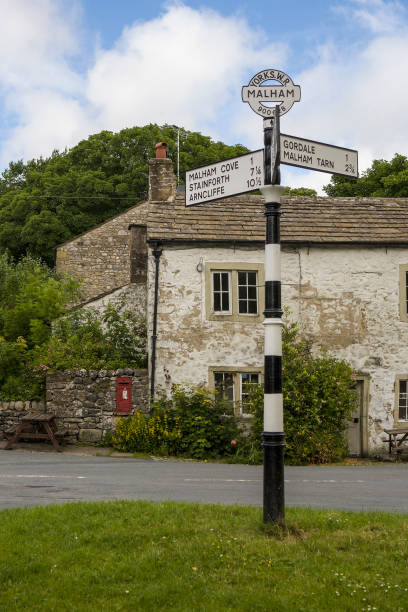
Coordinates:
<point>192,423</point>
<point>318,398</point>
<point>31,297</point>
<point>85,338</point>
<point>37,334</point>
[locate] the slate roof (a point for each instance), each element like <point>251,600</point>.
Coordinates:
<point>304,220</point>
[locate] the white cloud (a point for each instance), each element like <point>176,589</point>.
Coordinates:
<point>184,67</point>
<point>36,39</point>
<point>187,67</point>
<point>54,121</point>
<point>378,16</point>
<point>356,97</point>
<point>40,89</point>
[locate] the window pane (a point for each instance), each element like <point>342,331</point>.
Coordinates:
<point>228,388</point>
<point>251,278</point>
<point>243,307</point>
<point>242,278</point>
<point>225,301</point>
<point>247,293</point>
<point>252,293</point>
<point>224,277</point>
<point>403,401</point>
<point>224,384</point>
<point>242,293</point>
<point>406,290</point>
<point>252,307</point>
<point>247,379</point>
<point>221,291</point>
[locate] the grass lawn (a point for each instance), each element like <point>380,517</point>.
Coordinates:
<point>166,556</point>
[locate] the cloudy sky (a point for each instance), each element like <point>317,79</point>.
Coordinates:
<point>71,68</point>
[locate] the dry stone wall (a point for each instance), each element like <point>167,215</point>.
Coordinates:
<point>11,413</point>
<point>84,402</point>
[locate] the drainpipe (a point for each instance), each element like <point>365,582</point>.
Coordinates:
<point>157,253</point>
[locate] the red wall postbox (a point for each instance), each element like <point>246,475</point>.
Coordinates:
<point>124,395</point>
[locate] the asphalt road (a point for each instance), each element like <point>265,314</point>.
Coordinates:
<point>36,478</point>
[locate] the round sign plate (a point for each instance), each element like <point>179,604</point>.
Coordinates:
<point>257,94</point>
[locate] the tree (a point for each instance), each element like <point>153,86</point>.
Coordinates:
<point>300,191</point>
<point>385,179</point>
<point>47,201</point>
<point>31,297</point>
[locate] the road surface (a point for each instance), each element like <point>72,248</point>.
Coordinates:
<point>39,478</point>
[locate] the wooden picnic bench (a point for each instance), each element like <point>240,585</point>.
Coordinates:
<point>396,438</point>
<point>36,426</point>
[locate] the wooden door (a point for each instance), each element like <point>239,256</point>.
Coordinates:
<point>354,430</point>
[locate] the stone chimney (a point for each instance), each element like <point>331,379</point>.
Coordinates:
<point>162,180</point>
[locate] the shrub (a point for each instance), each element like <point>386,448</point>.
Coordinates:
<point>318,399</point>
<point>85,338</point>
<point>191,423</point>
<point>157,434</point>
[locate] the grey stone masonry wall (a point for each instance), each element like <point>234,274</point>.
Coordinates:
<point>100,258</point>
<point>114,254</point>
<point>12,412</point>
<point>162,180</point>
<point>85,402</point>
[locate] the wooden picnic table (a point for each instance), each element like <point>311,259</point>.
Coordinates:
<point>37,427</point>
<point>396,438</point>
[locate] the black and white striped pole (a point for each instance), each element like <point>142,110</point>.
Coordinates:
<point>273,434</point>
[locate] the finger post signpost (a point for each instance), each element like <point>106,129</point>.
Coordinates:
<point>261,170</point>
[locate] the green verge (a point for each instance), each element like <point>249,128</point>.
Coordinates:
<point>166,556</point>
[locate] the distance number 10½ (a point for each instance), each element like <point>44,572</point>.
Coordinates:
<point>255,173</point>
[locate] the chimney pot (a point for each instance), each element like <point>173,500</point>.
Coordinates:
<point>161,150</point>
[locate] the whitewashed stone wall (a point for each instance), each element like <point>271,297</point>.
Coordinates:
<point>188,343</point>
<point>133,296</point>
<point>345,298</point>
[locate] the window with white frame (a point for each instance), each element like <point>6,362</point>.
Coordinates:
<point>403,400</point>
<point>234,292</point>
<point>403,292</point>
<point>221,291</point>
<point>247,380</point>
<point>247,292</point>
<point>406,292</point>
<point>234,388</point>
<point>224,386</point>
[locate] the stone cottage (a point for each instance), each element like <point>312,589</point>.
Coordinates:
<point>197,274</point>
